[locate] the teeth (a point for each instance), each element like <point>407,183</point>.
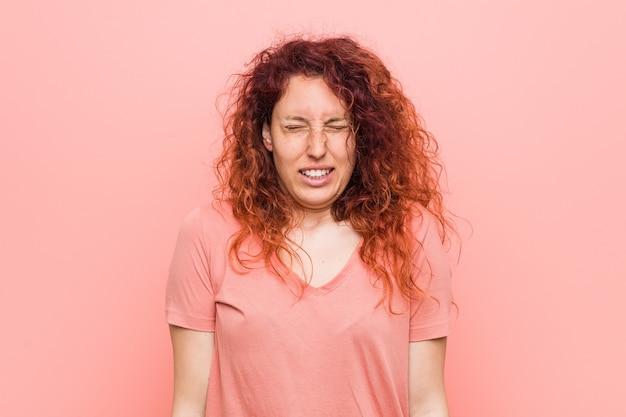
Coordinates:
<point>316,173</point>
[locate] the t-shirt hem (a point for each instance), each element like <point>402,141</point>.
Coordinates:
<point>192,323</point>
<point>418,335</point>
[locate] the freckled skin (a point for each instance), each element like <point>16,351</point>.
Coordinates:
<point>310,130</point>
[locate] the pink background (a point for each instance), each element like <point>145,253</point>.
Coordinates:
<point>107,121</point>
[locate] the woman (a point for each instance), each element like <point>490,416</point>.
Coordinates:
<point>316,283</point>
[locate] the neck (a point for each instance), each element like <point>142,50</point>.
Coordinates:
<point>314,219</point>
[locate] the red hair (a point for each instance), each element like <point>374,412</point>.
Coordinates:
<point>397,163</point>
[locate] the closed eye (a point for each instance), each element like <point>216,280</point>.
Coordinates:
<point>294,128</point>
<point>338,128</point>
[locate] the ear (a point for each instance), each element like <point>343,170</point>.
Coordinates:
<point>267,137</point>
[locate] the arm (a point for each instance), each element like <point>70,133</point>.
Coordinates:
<point>193,353</point>
<point>427,395</point>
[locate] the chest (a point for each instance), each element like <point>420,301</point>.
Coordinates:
<point>258,311</point>
<point>323,256</point>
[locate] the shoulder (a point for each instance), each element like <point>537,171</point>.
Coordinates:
<point>214,217</point>
<point>211,223</point>
<point>429,250</point>
<point>424,225</point>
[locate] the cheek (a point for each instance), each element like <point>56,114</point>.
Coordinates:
<point>290,149</point>
<point>285,157</point>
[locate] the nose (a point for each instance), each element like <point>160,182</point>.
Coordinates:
<point>316,146</point>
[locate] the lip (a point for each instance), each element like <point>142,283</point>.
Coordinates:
<point>318,181</point>
<point>306,168</point>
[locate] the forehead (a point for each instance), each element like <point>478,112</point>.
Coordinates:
<point>309,97</point>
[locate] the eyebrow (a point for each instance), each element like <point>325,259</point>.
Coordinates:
<point>305,120</point>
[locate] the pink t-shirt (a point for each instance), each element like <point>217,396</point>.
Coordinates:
<point>333,350</point>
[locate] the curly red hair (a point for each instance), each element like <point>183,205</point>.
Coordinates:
<point>397,163</point>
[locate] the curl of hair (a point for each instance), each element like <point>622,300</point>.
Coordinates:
<point>397,163</point>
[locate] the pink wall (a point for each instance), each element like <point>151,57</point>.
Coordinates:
<point>106,120</point>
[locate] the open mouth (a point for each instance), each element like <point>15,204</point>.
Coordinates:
<point>315,173</point>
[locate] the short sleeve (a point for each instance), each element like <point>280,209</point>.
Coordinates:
<point>189,294</point>
<point>430,316</point>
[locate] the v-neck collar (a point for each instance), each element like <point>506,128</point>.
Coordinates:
<point>329,286</point>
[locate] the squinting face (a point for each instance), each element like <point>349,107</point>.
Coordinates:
<point>312,143</point>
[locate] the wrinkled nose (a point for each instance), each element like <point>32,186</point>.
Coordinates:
<point>316,143</point>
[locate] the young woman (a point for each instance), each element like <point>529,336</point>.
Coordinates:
<point>315,284</point>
